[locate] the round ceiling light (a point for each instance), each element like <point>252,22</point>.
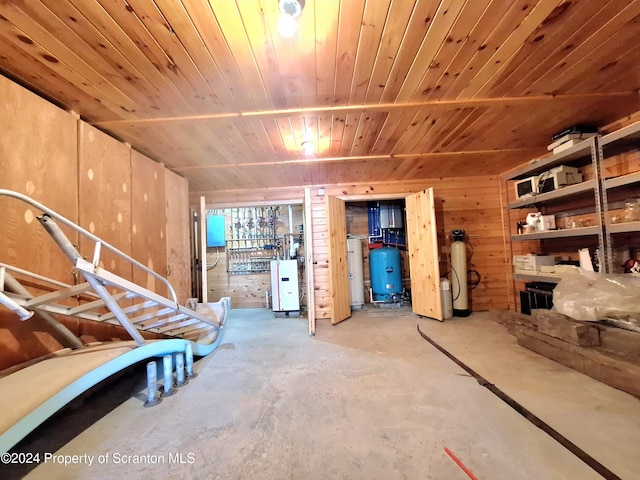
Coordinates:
<point>287,25</point>
<point>308,149</point>
<point>292,8</point>
<point>289,11</point>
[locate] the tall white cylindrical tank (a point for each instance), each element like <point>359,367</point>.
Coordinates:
<point>459,279</point>
<point>356,272</point>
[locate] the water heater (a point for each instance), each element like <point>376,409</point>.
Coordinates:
<point>356,272</point>
<point>386,276</point>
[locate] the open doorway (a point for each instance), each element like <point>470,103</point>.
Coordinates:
<point>379,270</point>
<point>245,245</point>
<point>392,229</point>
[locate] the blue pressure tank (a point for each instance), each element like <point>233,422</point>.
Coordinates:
<point>386,276</point>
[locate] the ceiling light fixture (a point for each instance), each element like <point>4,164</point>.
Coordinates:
<point>290,10</point>
<point>308,148</point>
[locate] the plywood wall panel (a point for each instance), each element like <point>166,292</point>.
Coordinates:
<point>84,175</point>
<point>148,220</point>
<point>38,158</point>
<point>38,151</point>
<point>104,171</point>
<point>178,234</point>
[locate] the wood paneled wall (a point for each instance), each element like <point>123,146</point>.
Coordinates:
<point>474,204</point>
<point>93,180</point>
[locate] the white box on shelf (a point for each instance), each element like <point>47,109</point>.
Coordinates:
<point>531,263</point>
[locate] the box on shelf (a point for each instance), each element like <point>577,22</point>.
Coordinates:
<point>558,177</point>
<point>547,181</point>
<point>568,140</point>
<point>531,263</point>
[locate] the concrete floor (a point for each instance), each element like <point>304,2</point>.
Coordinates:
<point>366,399</point>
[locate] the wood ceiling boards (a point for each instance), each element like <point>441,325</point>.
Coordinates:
<point>385,89</point>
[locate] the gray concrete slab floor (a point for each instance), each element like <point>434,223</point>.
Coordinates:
<point>365,399</point>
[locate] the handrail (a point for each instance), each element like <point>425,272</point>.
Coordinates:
<point>79,229</point>
<point>42,278</point>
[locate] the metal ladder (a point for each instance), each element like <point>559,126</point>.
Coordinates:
<point>106,297</point>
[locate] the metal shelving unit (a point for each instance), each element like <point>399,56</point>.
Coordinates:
<point>580,155</point>
<point>624,138</point>
<point>599,187</point>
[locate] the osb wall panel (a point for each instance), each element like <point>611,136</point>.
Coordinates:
<point>148,220</point>
<point>104,170</point>
<point>84,175</point>
<point>177,231</point>
<point>38,158</point>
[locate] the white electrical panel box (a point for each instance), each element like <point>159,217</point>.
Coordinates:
<point>284,285</point>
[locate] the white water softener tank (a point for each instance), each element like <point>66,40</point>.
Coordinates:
<point>356,272</point>
<point>459,275</point>
<point>446,299</point>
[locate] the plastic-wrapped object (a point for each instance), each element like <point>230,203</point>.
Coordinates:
<point>591,296</point>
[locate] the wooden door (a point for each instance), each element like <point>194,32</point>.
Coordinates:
<point>338,263</point>
<point>423,254</point>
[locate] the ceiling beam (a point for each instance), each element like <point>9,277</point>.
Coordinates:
<point>373,108</point>
<point>360,158</point>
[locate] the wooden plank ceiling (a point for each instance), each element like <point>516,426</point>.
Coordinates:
<point>385,89</point>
